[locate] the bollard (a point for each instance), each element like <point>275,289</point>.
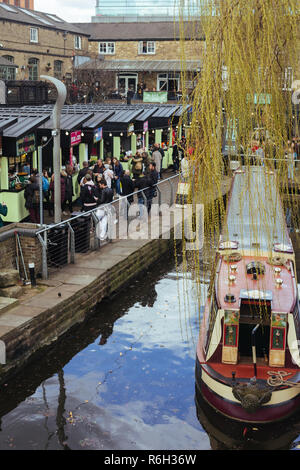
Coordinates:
<point>32,274</point>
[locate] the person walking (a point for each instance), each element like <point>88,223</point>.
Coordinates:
<point>99,168</point>
<point>89,194</point>
<point>175,157</point>
<point>83,171</point>
<point>107,193</point>
<point>157,158</point>
<point>108,175</point>
<point>146,162</point>
<point>137,165</point>
<point>62,190</point>
<point>152,179</point>
<point>69,192</point>
<point>141,183</point>
<point>127,190</point>
<point>32,199</point>
<point>45,188</point>
<point>118,171</point>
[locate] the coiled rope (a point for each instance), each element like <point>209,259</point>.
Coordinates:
<point>277,378</point>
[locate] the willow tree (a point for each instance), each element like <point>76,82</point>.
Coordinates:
<point>243,92</point>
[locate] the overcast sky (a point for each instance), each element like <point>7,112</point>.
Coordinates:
<point>73,11</point>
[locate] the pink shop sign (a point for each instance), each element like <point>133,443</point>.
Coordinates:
<point>146,126</point>
<point>75,138</point>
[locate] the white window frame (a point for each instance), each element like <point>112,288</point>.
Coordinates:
<point>34,35</point>
<point>78,42</point>
<point>107,48</point>
<point>150,47</point>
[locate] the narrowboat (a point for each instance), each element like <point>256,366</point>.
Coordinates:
<point>247,361</point>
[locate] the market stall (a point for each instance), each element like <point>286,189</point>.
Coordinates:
<point>19,157</point>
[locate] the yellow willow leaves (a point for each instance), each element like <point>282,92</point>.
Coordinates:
<point>249,55</point>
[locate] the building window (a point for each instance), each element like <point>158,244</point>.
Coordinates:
<point>34,35</point>
<point>7,73</point>
<point>147,47</point>
<point>10,58</point>
<point>33,67</point>
<point>58,65</point>
<point>106,47</point>
<point>77,40</point>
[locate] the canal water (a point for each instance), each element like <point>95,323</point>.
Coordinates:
<point>124,380</point>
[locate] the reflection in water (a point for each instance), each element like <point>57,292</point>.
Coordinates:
<point>123,379</point>
<point>227,434</point>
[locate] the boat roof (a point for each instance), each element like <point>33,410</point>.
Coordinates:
<point>254,235</point>
<point>265,288</point>
<point>255,218</point>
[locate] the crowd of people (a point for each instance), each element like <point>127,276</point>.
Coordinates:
<point>101,182</point>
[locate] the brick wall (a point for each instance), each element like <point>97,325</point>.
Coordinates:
<point>51,46</point>
<point>31,248</point>
<point>23,3</point>
<point>164,50</point>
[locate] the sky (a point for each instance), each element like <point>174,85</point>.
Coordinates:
<point>72,11</point>
<point>81,11</point>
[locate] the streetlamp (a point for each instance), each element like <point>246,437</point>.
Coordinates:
<point>60,101</point>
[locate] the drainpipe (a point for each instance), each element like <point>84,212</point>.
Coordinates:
<point>61,98</point>
<point>254,348</point>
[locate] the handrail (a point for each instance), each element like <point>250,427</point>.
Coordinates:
<point>104,206</point>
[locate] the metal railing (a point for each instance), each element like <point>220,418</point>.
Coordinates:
<point>89,230</point>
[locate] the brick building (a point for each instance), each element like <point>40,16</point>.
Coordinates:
<point>37,44</point>
<point>20,3</point>
<point>125,55</point>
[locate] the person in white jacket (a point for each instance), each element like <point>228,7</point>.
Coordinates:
<point>108,175</point>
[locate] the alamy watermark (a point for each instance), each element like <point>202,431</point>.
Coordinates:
<point>2,353</point>
<point>138,222</point>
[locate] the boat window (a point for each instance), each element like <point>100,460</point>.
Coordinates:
<point>212,318</point>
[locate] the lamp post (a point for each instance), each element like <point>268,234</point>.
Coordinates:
<point>60,101</point>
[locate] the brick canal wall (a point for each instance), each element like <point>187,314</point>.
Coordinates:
<point>40,331</point>
<point>30,246</point>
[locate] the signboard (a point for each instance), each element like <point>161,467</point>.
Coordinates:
<point>263,98</point>
<point>98,135</point>
<point>155,97</point>
<point>26,144</point>
<point>75,138</point>
<point>146,126</point>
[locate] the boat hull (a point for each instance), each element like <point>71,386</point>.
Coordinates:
<point>232,409</point>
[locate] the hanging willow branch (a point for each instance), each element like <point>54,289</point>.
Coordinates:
<point>248,49</point>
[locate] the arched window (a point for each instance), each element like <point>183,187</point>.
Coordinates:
<point>10,58</point>
<point>33,67</point>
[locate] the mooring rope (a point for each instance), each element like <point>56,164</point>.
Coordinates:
<point>277,378</point>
